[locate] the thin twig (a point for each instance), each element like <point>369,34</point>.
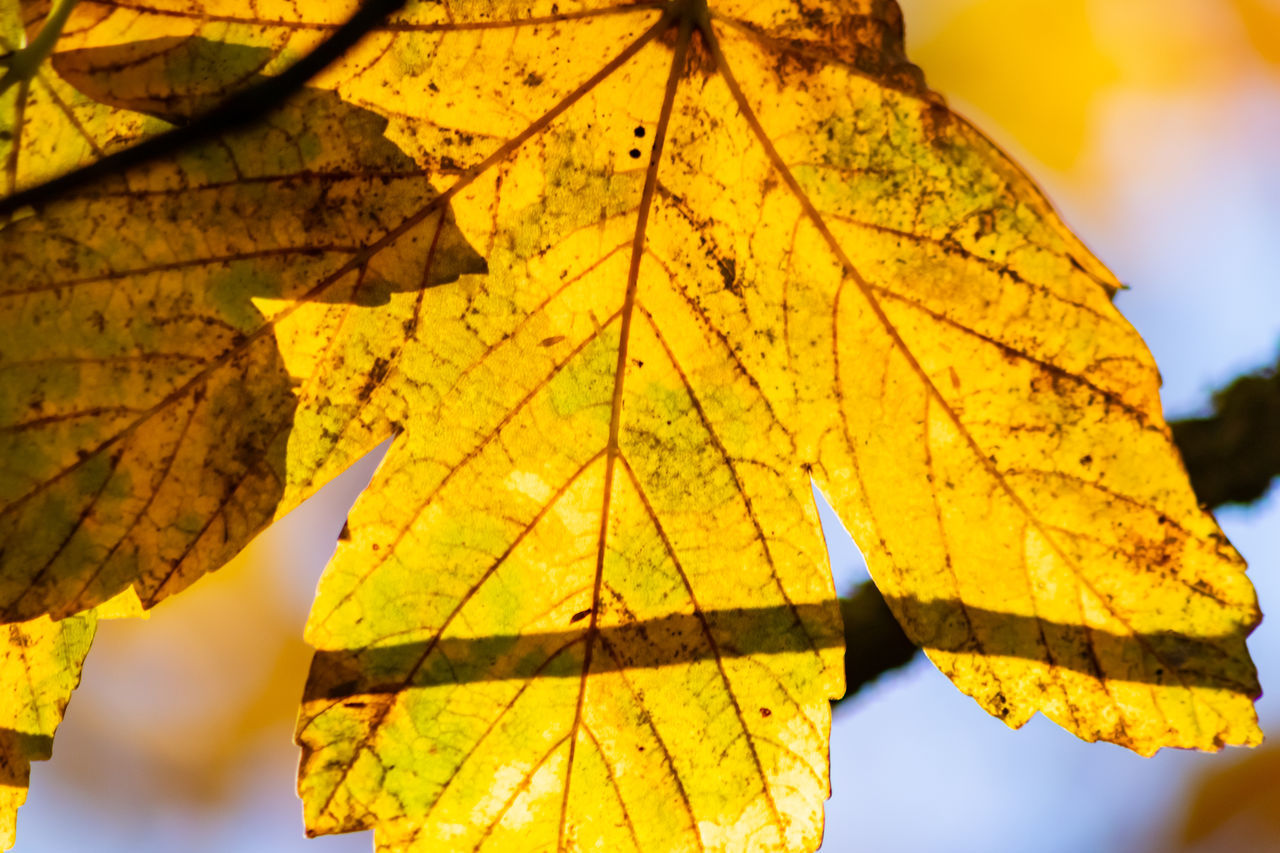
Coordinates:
<point>24,62</point>
<point>237,111</point>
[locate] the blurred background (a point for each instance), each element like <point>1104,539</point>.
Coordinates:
<point>1155,127</point>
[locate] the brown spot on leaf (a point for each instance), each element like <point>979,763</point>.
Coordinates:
<point>936,118</point>
<point>377,373</point>
<point>729,274</point>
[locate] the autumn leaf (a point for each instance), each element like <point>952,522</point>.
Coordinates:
<point>181,398</point>
<point>47,128</point>
<point>1260,22</point>
<point>104,534</point>
<point>624,281</point>
<point>1230,807</point>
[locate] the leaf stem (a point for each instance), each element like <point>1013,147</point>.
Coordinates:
<point>24,62</point>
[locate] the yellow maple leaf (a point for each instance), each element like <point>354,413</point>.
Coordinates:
<point>625,279</point>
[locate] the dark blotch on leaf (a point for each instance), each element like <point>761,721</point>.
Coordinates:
<point>728,273</point>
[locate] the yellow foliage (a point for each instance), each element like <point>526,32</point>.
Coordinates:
<point>1034,66</point>
<point>40,665</point>
<point>624,280</point>
<point>48,126</point>
<point>1043,70</point>
<point>1261,22</point>
<point>1232,807</point>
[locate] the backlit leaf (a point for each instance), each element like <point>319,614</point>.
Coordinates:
<point>46,128</point>
<point>623,281</point>
<point>152,448</point>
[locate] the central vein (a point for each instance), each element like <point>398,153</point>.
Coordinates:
<point>687,22</point>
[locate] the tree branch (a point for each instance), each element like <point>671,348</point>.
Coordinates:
<point>1232,456</point>
<point>874,643</point>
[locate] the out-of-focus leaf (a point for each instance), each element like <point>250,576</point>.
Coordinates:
<point>1045,71</point>
<point>1034,67</point>
<point>1233,808</point>
<point>1261,21</point>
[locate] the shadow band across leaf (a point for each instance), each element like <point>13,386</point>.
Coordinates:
<point>677,639</point>
<point>1225,455</point>
<point>31,746</point>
